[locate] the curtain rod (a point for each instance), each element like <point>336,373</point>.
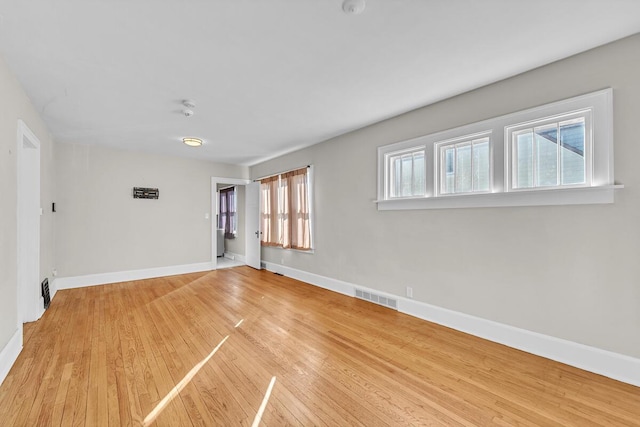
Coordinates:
<point>279,173</point>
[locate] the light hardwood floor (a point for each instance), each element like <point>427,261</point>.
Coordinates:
<point>142,353</point>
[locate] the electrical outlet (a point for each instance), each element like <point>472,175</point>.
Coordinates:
<point>54,272</point>
<point>409,292</point>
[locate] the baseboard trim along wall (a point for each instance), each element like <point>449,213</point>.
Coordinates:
<point>127,276</point>
<point>10,353</point>
<point>235,257</point>
<point>613,365</point>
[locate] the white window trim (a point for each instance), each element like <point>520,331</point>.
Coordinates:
<point>602,180</point>
<point>389,175</point>
<point>454,142</point>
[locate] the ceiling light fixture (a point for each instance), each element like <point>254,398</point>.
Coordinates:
<point>192,142</point>
<point>353,7</point>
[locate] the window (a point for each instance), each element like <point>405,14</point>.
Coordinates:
<point>228,220</point>
<point>555,154</point>
<point>406,173</point>
<point>552,152</point>
<point>464,165</point>
<point>285,210</point>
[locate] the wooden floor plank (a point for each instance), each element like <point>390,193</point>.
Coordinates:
<point>115,355</point>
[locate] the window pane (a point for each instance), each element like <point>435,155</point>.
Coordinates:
<point>419,184</point>
<point>524,159</point>
<point>463,169</point>
<point>407,172</point>
<point>546,155</point>
<point>481,165</point>
<point>396,184</point>
<point>448,179</point>
<point>572,137</point>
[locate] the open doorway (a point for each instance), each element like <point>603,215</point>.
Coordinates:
<point>228,244</point>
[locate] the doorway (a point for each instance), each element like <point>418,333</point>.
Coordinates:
<point>234,255</point>
<point>30,301</point>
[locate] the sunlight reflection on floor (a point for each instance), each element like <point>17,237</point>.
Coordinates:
<point>176,390</point>
<point>256,420</point>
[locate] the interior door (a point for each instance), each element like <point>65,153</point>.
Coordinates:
<point>252,224</point>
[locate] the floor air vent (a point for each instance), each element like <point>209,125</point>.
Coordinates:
<point>377,299</point>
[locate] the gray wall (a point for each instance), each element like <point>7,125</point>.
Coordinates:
<point>14,105</point>
<point>567,271</point>
<point>101,228</point>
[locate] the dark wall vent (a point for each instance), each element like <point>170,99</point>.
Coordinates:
<point>145,193</point>
<point>45,293</point>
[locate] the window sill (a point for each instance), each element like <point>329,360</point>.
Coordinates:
<point>564,196</point>
<point>310,251</point>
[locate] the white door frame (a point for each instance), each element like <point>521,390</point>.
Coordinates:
<point>30,301</point>
<point>252,225</point>
<point>215,180</point>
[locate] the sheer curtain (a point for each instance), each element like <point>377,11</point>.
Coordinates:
<point>285,212</point>
<point>297,230</point>
<point>269,212</point>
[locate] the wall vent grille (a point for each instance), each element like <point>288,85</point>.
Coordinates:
<point>377,299</point>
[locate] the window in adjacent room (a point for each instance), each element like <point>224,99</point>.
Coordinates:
<point>285,210</point>
<point>228,218</point>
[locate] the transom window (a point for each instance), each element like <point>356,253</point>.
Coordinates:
<point>464,165</point>
<point>552,152</point>
<point>406,172</point>
<point>510,160</point>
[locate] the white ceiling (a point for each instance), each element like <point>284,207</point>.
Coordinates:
<point>272,76</point>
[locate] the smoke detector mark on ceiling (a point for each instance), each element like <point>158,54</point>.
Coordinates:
<point>353,7</point>
<point>189,106</point>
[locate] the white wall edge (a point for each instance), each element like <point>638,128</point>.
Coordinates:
<point>9,354</point>
<point>603,362</point>
<point>127,276</point>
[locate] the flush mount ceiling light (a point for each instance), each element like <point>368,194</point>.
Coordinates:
<point>192,142</point>
<point>353,7</point>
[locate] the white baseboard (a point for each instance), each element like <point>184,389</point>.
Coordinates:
<point>613,365</point>
<point>127,276</point>
<point>335,285</point>
<point>235,257</point>
<point>10,353</point>
<point>53,288</point>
